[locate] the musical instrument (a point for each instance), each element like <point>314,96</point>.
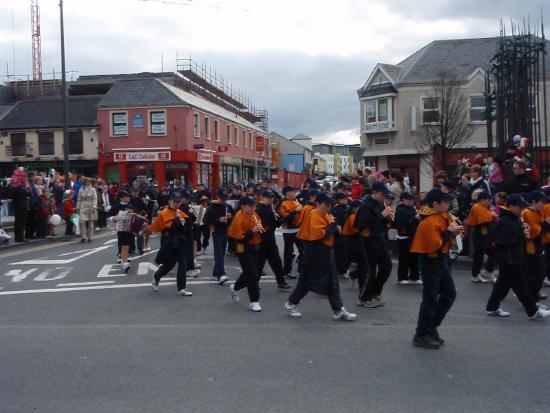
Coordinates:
<point>136,223</point>
<point>200,211</point>
<point>277,216</point>
<point>387,203</point>
<point>233,203</point>
<point>258,223</point>
<point>526,227</point>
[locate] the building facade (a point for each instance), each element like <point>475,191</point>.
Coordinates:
<point>397,101</point>
<point>294,157</point>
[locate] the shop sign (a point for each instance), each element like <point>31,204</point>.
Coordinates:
<point>227,160</point>
<point>107,154</point>
<point>137,120</point>
<point>260,144</point>
<point>198,146</point>
<point>222,148</point>
<point>142,156</point>
<point>248,162</point>
<point>205,157</point>
<point>378,127</point>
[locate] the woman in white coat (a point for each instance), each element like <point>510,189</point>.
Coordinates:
<point>86,208</point>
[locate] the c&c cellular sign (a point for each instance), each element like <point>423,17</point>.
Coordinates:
<point>142,156</point>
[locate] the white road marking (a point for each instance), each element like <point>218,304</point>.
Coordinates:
<point>105,271</point>
<point>110,241</point>
<point>144,255</point>
<point>62,273</point>
<point>87,252</point>
<point>84,283</point>
<point>145,267</point>
<point>205,257</point>
<point>104,287</point>
<point>19,275</point>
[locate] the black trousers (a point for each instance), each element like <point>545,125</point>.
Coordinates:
<point>289,241</point>
<point>20,224</point>
<point>189,251</point>
<point>178,256</point>
<point>407,267</point>
<point>480,249</point>
<point>341,253</point>
<point>31,225</point>
<point>249,276</point>
<point>101,218</point>
<point>270,252</point>
<point>69,228</point>
<point>379,263</point>
<point>534,270</point>
<point>547,260</point>
<point>512,277</point>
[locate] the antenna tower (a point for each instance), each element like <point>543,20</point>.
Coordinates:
<point>36,41</point>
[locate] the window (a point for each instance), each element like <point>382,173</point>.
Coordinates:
<point>119,121</point>
<point>207,128</point>
<point>371,110</point>
<point>196,127</point>
<point>378,110</point>
<point>45,143</point>
<point>76,144</point>
<point>229,134</point>
<point>217,130</point>
<point>430,110</point>
<point>157,122</point>
<point>477,108</point>
<point>244,139</point>
<point>236,136</point>
<point>250,141</point>
<point>382,110</point>
<point>18,144</point>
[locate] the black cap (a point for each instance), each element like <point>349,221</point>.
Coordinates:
<point>122,194</point>
<point>483,195</point>
<point>406,195</point>
<point>516,200</point>
<point>289,188</point>
<point>380,187</point>
<point>340,195</point>
<point>175,196</point>
<point>449,185</point>
<point>311,192</point>
<point>437,195</point>
<point>267,194</point>
<point>536,196</point>
<point>323,198</point>
<point>221,193</point>
<point>245,200</point>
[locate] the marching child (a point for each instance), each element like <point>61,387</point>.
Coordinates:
<point>340,211</point>
<point>406,222</point>
<point>351,235</point>
<point>479,222</point>
<point>289,210</point>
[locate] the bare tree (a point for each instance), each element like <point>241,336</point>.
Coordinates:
<point>446,123</point>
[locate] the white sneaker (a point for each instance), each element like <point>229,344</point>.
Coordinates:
<point>403,282</point>
<point>480,279</point>
<point>416,282</point>
<point>223,279</point>
<point>234,294</point>
<point>255,307</point>
<point>185,293</point>
<point>498,313</point>
<point>197,264</point>
<point>542,306</point>
<point>540,314</point>
<point>193,273</point>
<point>125,267</point>
<point>546,282</point>
<point>291,310</point>
<point>155,285</point>
<point>147,249</point>
<point>345,276</point>
<point>343,315</point>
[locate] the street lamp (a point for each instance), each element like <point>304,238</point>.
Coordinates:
<point>65,103</point>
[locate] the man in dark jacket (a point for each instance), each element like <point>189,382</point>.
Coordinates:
<point>508,236</point>
<point>218,217</point>
<point>406,222</point>
<point>372,220</point>
<point>520,182</point>
<point>340,213</point>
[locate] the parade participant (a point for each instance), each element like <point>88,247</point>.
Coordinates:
<point>289,211</point>
<point>202,231</point>
<point>86,208</point>
<point>319,270</point>
<point>508,236</point>
<point>351,234</point>
<point>170,222</point>
<point>433,240</point>
<point>406,222</point>
<point>546,237</point>
<point>218,217</point>
<point>309,205</point>
<point>269,251</point>
<point>371,220</point>
<point>138,201</point>
<point>533,218</point>
<point>479,221</point>
<point>340,212</point>
<point>246,229</point>
<point>191,218</point>
<point>520,181</point>
<point>236,193</point>
<point>120,212</point>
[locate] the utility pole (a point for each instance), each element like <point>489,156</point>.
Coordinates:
<point>66,164</point>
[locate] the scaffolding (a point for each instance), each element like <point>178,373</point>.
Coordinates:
<point>201,79</point>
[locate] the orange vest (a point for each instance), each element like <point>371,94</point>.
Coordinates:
<point>534,220</point>
<point>303,213</point>
<point>428,238</point>
<point>349,228</point>
<point>241,224</point>
<point>165,218</point>
<point>314,227</point>
<point>479,215</point>
<point>546,235</point>
<point>288,206</point>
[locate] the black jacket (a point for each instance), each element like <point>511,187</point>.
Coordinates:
<point>405,220</point>
<point>269,221</point>
<point>370,216</point>
<point>520,183</point>
<point>215,211</point>
<point>508,238</point>
<point>340,214</point>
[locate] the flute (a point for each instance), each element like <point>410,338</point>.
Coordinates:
<point>275,211</point>
<point>258,223</point>
<point>387,204</point>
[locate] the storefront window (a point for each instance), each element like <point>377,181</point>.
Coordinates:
<point>382,110</point>
<point>204,174</point>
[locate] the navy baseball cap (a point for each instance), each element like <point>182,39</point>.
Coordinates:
<point>221,193</point>
<point>338,196</point>
<point>437,195</point>
<point>483,195</point>
<point>323,198</point>
<point>536,196</point>
<point>185,194</point>
<point>380,187</point>
<point>245,200</point>
<point>516,200</point>
<point>289,188</point>
<point>267,194</point>
<point>406,195</point>
<point>175,196</point>
<point>311,192</point>
<point>449,185</point>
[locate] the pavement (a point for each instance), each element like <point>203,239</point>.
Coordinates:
<point>78,335</point>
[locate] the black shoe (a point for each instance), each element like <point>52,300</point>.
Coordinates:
<point>140,252</point>
<point>426,341</point>
<point>436,336</point>
<point>284,286</point>
<point>89,240</point>
<point>82,241</point>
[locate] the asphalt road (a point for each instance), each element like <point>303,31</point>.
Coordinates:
<point>115,346</point>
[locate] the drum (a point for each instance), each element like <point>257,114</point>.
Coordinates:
<point>136,223</point>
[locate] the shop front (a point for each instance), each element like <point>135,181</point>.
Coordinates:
<point>248,170</point>
<point>230,170</point>
<point>264,169</point>
<point>205,170</point>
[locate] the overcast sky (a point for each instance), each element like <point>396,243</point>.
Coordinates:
<point>302,60</point>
